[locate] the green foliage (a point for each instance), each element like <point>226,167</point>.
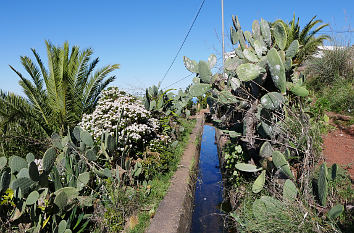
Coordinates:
<point>277,69</point>
<point>336,211</point>
<point>323,185</point>
<point>306,37</point>
<point>245,167</point>
<point>259,182</point>
<point>46,191</point>
<point>289,191</point>
<point>56,97</point>
<point>281,163</point>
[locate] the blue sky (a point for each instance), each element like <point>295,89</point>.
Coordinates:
<point>143,36</point>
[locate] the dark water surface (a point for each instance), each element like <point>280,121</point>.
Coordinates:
<point>208,193</point>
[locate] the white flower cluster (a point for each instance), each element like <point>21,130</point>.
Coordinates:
<point>123,114</point>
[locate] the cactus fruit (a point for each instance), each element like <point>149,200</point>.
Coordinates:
<point>245,167</point>
<point>289,191</point>
<point>259,182</point>
<point>49,159</point>
<point>323,185</point>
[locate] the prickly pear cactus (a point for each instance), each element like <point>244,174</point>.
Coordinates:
<point>323,185</point>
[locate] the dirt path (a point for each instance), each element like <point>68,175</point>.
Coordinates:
<point>338,147</point>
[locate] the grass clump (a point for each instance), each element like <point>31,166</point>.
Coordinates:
<point>331,77</point>
<point>130,208</point>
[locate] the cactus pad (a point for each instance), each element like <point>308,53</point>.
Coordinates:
<point>272,100</point>
<point>199,89</point>
<point>259,182</point>
<point>211,61</point>
<point>17,163</point>
<point>245,167</point>
<point>33,171</point>
<point>265,29</point>
<point>32,198</point>
<point>49,159</point>
<point>289,191</point>
<point>190,65</point>
<point>280,35</point>
<point>266,150</point>
<point>323,185</point>
<point>3,162</point>
<point>293,49</point>
<point>61,200</point>
<point>82,180</point>
<point>5,179</point>
<point>248,71</point>
<point>335,211</point>
<point>277,70</point>
<point>30,157</point>
<point>86,138</point>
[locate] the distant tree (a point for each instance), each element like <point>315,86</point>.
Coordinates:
<point>57,96</point>
<point>306,37</point>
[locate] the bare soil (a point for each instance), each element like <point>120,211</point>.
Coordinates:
<point>338,147</point>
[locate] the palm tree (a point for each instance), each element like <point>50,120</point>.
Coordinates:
<point>306,37</point>
<point>57,96</point>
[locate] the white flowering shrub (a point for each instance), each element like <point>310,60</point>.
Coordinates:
<point>124,115</point>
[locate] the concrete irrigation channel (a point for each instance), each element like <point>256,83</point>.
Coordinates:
<point>191,202</point>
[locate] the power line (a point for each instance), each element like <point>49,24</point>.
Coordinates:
<point>179,80</point>
<point>185,38</point>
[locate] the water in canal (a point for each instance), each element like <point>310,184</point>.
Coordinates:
<point>208,192</point>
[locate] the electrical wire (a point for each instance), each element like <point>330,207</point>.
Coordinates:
<point>178,81</point>
<point>185,38</point>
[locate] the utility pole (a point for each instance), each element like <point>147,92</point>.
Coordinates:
<point>223,41</point>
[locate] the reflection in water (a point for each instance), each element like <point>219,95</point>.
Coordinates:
<point>208,192</point>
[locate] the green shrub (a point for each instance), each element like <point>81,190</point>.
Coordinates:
<point>333,66</point>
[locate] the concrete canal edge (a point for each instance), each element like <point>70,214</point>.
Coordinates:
<point>174,214</point>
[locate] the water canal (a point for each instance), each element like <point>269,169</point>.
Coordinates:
<point>208,193</point>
